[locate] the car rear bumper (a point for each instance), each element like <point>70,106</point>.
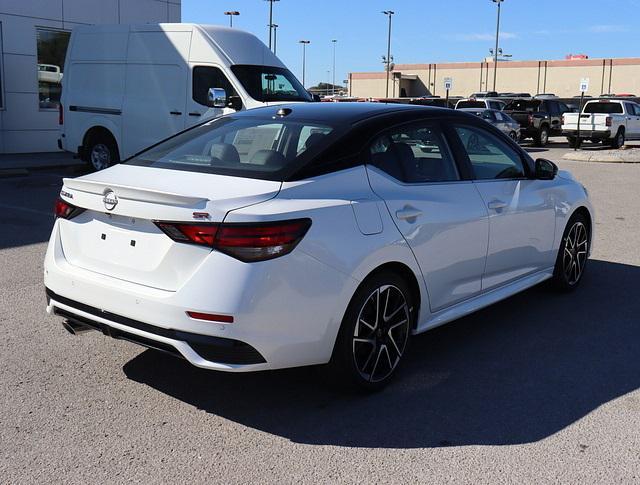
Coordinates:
<point>588,134</point>
<point>283,316</point>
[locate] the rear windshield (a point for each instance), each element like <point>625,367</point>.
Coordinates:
<point>263,148</point>
<point>522,105</point>
<point>603,108</point>
<point>471,104</point>
<point>266,83</point>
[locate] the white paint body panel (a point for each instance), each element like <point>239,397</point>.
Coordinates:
<point>290,308</point>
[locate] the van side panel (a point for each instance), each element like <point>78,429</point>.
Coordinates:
<point>156,87</point>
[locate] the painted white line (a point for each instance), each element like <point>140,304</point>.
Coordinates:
<point>26,209</point>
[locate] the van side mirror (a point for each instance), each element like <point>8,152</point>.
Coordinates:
<point>545,169</point>
<point>217,98</point>
<point>235,103</point>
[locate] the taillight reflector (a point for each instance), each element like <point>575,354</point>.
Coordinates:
<point>64,210</point>
<point>246,242</point>
<point>211,317</point>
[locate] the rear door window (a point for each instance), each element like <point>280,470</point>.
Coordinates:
<point>603,108</point>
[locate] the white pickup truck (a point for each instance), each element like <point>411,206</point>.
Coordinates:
<point>611,121</point>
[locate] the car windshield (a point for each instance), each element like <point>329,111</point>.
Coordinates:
<point>266,83</point>
<point>603,108</point>
<point>263,148</point>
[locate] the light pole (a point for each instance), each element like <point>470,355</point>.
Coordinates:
<point>304,57</point>
<point>333,88</point>
<point>388,13</point>
<point>275,37</point>
<point>271,18</point>
<point>328,73</point>
<point>495,52</point>
<point>231,15</point>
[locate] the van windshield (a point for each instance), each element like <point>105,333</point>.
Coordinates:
<point>243,146</point>
<point>267,83</point>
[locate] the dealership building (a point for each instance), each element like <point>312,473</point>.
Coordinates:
<point>34,35</point>
<point>560,77</point>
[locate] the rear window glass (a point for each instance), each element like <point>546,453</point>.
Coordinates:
<point>245,147</point>
<point>522,105</point>
<point>603,108</point>
<point>471,104</point>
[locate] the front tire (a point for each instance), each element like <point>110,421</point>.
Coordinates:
<point>573,254</point>
<point>374,334</point>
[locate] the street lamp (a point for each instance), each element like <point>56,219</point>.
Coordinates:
<point>388,13</point>
<point>333,89</point>
<point>231,15</point>
<point>275,37</point>
<point>270,18</point>
<point>304,56</point>
<point>495,52</point>
<point>328,73</point>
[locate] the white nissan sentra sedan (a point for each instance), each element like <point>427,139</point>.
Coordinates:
<point>305,234</point>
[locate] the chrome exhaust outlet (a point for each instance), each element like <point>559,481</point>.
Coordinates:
<point>75,328</point>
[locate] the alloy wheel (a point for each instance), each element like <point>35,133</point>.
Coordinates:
<point>575,253</point>
<point>100,156</point>
<point>381,333</point>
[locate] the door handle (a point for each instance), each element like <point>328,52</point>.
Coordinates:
<point>175,113</point>
<point>408,213</point>
<point>194,113</point>
<point>497,204</point>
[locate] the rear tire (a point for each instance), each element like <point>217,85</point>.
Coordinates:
<point>574,142</point>
<point>102,152</point>
<point>572,255</point>
<point>514,136</point>
<point>595,141</point>
<point>374,334</point>
<point>619,139</point>
<point>542,137</point>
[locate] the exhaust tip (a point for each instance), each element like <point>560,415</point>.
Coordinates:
<point>75,328</point>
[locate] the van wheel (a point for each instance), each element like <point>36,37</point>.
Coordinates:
<point>618,141</point>
<point>542,138</point>
<point>102,152</point>
<point>374,334</point>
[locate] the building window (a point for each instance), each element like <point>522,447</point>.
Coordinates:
<point>52,49</point>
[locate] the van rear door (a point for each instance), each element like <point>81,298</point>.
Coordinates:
<point>156,86</point>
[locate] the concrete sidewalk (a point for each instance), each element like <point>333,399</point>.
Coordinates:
<point>22,163</point>
<point>628,155</point>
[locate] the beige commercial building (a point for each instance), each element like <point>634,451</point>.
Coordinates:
<point>561,77</point>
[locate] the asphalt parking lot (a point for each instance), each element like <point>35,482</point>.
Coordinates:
<point>538,388</point>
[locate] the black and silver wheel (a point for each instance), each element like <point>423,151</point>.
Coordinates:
<point>102,152</point>
<point>573,254</point>
<point>374,334</point>
<point>542,138</point>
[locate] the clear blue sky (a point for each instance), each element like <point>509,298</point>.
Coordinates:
<point>429,30</point>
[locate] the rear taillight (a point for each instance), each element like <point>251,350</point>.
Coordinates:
<point>246,242</point>
<point>562,122</point>
<point>64,210</point>
<point>530,119</point>
<point>60,115</point>
<point>609,120</point>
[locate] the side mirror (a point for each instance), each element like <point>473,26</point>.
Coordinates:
<point>235,103</point>
<point>316,98</point>
<point>545,169</point>
<point>217,98</point>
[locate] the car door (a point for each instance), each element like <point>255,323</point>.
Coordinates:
<point>521,210</point>
<point>501,122</point>
<point>204,77</point>
<point>441,215</point>
<point>633,120</point>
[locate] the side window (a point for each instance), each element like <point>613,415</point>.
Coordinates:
<point>629,108</point>
<point>490,157</point>
<point>637,108</point>
<point>563,108</point>
<point>499,116</point>
<point>205,77</point>
<point>414,153</point>
<point>554,109</point>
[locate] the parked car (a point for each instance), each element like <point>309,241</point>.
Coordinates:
<point>514,95</point>
<point>500,120</point>
<point>607,120</point>
<point>49,73</point>
<point>128,87</point>
<point>480,103</point>
<point>539,118</point>
<point>484,94</point>
<point>311,233</point>
<point>545,96</point>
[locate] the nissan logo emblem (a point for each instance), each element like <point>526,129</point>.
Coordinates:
<point>109,200</point>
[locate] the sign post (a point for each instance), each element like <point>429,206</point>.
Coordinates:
<point>584,86</point>
<point>448,84</point>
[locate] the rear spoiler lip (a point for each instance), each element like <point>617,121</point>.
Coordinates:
<point>135,193</point>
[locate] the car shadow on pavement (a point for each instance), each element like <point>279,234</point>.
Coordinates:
<point>516,372</point>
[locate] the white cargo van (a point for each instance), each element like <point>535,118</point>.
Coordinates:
<point>127,87</point>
